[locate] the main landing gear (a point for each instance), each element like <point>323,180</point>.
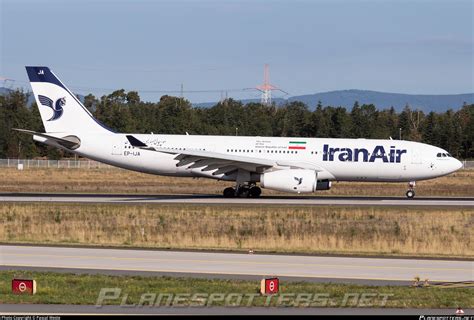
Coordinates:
<point>243,191</point>
<point>411,190</point>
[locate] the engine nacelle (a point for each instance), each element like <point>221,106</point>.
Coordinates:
<point>323,185</point>
<point>293,180</point>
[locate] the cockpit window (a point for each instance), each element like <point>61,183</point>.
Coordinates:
<point>443,155</point>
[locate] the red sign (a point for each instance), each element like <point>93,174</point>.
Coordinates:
<point>270,286</point>
<point>23,286</point>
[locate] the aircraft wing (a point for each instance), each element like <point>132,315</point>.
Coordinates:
<point>221,162</point>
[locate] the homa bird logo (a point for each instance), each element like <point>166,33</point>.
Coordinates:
<point>299,180</point>
<point>57,107</point>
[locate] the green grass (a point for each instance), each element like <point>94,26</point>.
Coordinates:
<point>61,288</point>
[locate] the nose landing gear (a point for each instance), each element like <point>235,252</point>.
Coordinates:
<point>411,190</point>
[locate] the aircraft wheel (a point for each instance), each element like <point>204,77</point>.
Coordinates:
<point>255,192</point>
<point>229,192</point>
<point>244,192</point>
<point>410,194</point>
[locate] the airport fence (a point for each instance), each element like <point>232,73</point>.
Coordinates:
<point>91,164</point>
<point>60,164</point>
<point>467,164</point>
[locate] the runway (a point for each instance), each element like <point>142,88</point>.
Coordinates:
<point>215,200</point>
<point>237,265</point>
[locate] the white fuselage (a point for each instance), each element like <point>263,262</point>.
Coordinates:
<point>340,159</point>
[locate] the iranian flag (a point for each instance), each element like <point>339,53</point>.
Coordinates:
<point>297,145</point>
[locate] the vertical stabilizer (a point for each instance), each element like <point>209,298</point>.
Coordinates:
<point>60,109</point>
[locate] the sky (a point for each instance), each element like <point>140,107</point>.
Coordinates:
<point>218,46</point>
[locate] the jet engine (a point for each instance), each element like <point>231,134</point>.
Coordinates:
<point>293,180</point>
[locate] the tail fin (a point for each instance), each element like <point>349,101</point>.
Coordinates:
<point>60,109</point>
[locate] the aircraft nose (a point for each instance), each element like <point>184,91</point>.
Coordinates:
<point>457,164</point>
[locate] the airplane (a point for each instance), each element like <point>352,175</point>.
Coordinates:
<point>287,164</point>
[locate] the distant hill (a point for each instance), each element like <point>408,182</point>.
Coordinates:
<point>381,100</point>
<point>4,90</point>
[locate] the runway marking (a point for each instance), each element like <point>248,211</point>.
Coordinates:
<point>224,273</point>
<point>235,262</point>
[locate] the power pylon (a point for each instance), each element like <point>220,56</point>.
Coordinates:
<point>266,88</point>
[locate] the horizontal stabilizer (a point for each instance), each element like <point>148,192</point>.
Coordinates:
<point>69,142</point>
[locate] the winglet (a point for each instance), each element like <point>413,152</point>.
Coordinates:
<point>135,142</point>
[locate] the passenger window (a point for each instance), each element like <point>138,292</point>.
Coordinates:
<point>439,155</point>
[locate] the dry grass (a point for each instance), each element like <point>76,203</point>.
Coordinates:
<point>373,230</point>
<point>123,181</point>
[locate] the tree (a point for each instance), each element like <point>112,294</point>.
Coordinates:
<point>132,97</point>
<point>319,123</point>
<point>125,112</point>
<point>118,96</point>
<point>357,121</point>
<point>90,102</point>
<point>465,120</point>
<point>295,120</point>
